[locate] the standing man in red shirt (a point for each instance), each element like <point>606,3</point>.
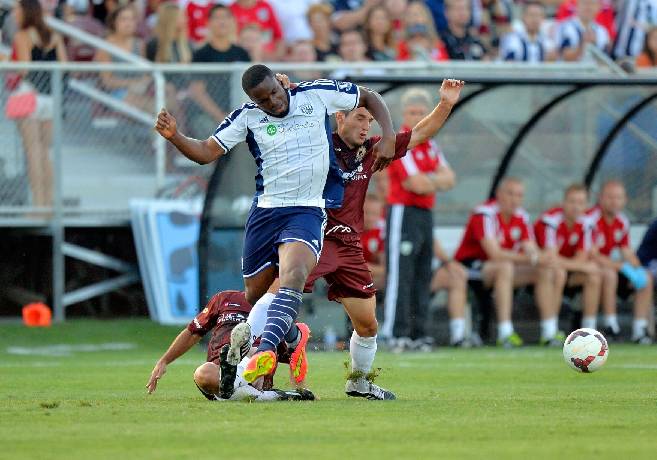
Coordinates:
<point>413,182</point>
<point>566,232</point>
<point>498,245</point>
<point>611,235</point>
<point>261,13</point>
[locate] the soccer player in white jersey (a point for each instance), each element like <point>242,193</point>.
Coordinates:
<point>289,135</point>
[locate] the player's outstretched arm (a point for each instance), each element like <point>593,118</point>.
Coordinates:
<point>178,347</point>
<point>201,152</point>
<point>428,127</point>
<point>384,150</point>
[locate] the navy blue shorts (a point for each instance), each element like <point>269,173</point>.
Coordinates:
<point>266,228</point>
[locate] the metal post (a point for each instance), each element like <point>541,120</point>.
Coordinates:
<point>57,224</point>
<point>160,143</point>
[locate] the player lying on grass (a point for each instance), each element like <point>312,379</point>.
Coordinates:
<point>566,232</point>
<point>498,246</point>
<point>218,378</point>
<point>342,262</point>
<point>287,132</point>
<point>623,274</point>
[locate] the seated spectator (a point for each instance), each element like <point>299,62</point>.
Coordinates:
<point>421,43</point>
<point>648,58</point>
<point>351,14</point>
<point>353,49</point>
<point>261,13</point>
<point>453,276</point>
<point>565,232</point>
<point>300,52</point>
<point>169,43</point>
<point>130,87</point>
<point>319,18</point>
<point>397,14</point>
<point>575,33</point>
<point>611,237</point>
<point>606,16</point>
<point>78,14</point>
<point>294,21</point>
<point>458,39</point>
<point>647,251</point>
<point>498,246</point>
<point>252,39</point>
<point>528,45</point>
<point>379,34</point>
<point>211,92</point>
<point>635,18</point>
<point>197,13</point>
<point>372,238</point>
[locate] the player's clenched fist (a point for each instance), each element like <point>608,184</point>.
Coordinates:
<point>165,124</point>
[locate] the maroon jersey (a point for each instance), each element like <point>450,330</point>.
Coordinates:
<point>223,312</point>
<point>356,165</point>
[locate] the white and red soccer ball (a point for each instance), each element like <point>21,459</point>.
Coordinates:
<point>585,350</point>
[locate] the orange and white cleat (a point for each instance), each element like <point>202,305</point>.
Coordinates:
<point>298,358</point>
<point>261,364</point>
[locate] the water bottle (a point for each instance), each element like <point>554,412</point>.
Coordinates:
<point>330,339</point>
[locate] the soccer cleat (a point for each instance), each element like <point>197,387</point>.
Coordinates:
<point>227,374</point>
<point>511,341</point>
<point>611,335</point>
<point>363,388</point>
<point>298,358</point>
<point>300,394</point>
<point>556,341</point>
<point>240,338</point>
<point>261,364</point>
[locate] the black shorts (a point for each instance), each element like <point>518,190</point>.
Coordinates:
<point>474,266</point>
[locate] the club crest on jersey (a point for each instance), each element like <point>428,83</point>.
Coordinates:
<point>356,174</point>
<point>515,233</point>
<point>574,238</point>
<point>618,235</point>
<point>361,153</point>
<point>271,129</point>
<point>306,109</point>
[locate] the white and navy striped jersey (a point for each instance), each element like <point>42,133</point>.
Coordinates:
<point>517,46</point>
<point>632,21</point>
<point>571,34</point>
<point>294,154</point>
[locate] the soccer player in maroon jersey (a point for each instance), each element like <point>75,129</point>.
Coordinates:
<point>566,232</point>
<point>216,378</point>
<point>498,246</point>
<point>342,263</point>
<point>622,270</point>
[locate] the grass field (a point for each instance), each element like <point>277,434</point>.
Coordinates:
<point>86,402</point>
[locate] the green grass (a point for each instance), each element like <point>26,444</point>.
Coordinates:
<point>484,403</point>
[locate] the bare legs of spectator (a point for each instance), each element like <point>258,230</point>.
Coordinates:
<point>591,283</point>
<point>609,289</point>
<point>499,277</point>
<point>37,137</point>
<point>643,304</point>
<point>454,278</point>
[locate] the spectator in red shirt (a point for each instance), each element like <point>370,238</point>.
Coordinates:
<point>611,236</point>
<point>372,238</point>
<point>565,232</point>
<point>606,16</point>
<point>260,12</point>
<point>414,180</point>
<point>197,12</point>
<point>498,245</point>
<point>421,42</point>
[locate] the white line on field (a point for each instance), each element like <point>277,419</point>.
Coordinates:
<point>68,350</point>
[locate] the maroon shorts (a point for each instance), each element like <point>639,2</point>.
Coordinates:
<point>343,267</point>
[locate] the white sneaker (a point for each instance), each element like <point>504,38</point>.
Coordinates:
<point>363,388</point>
<point>240,342</point>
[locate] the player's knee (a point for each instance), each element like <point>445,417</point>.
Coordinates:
<point>206,375</point>
<point>294,277</point>
<point>367,329</point>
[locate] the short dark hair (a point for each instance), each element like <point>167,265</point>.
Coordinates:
<point>255,75</point>
<point>216,7</point>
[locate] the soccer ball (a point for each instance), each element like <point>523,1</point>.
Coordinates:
<point>585,350</point>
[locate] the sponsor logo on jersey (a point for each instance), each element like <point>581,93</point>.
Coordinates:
<point>339,229</point>
<point>197,324</point>
<point>367,286</point>
<point>271,129</point>
<point>356,174</point>
<point>306,109</point>
<point>232,317</point>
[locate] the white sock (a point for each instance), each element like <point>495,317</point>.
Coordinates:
<point>456,329</point>
<point>639,326</point>
<point>611,321</point>
<point>504,329</point>
<point>589,321</point>
<point>258,315</point>
<point>362,351</point>
<point>549,328</point>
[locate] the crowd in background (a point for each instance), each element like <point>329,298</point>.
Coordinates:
<point>363,30</point>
